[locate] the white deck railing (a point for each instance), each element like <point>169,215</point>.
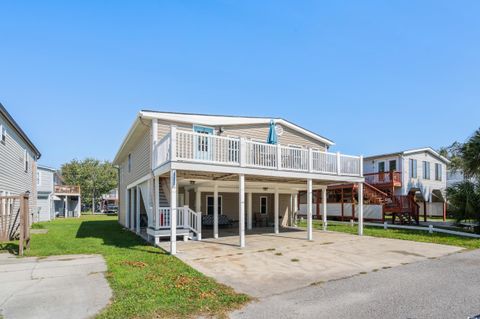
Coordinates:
<point>186,218</point>
<point>204,148</point>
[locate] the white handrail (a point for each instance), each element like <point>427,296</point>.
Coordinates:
<point>221,150</point>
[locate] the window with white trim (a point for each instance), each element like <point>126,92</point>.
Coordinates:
<point>263,205</point>
<point>426,170</point>
<point>39,178</point>
<point>210,205</point>
<point>3,133</point>
<point>413,168</point>
<point>438,172</point>
<point>25,160</point>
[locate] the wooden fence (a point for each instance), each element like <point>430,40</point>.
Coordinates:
<point>14,220</point>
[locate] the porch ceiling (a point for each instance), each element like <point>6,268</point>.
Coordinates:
<point>198,176</point>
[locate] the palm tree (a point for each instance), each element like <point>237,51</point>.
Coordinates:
<point>470,152</point>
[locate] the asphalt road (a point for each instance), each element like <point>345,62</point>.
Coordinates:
<point>447,287</point>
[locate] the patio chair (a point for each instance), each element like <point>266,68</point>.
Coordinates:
<point>260,220</point>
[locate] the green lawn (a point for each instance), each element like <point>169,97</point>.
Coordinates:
<point>414,235</point>
<point>146,281</point>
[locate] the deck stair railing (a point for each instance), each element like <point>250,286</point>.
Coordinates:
<point>186,218</point>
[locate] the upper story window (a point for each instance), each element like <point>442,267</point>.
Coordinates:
<point>39,178</point>
<point>413,168</point>
<point>129,163</point>
<point>426,170</point>
<point>25,160</point>
<point>438,172</point>
<point>3,132</point>
<point>381,167</point>
<point>392,165</point>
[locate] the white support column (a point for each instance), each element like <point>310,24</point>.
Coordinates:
<point>137,211</point>
<point>290,208</point>
<point>127,208</point>
<point>241,205</point>
<point>132,208</point>
<point>156,198</point>
<point>187,198</point>
<point>173,212</point>
<point>276,210</point>
<point>198,201</point>
<point>79,206</point>
<point>324,208</point>
<point>65,204</point>
<point>360,209</point>
<point>295,208</point>
<point>249,211</point>
<point>309,209</point>
<point>215,211</point>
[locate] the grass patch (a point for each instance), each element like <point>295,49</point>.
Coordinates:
<point>38,226</point>
<point>404,234</point>
<point>146,281</point>
<point>278,254</point>
<point>294,260</point>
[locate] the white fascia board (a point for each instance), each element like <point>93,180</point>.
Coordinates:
<point>126,138</point>
<point>429,150</point>
<point>255,171</point>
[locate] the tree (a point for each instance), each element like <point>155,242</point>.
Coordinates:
<point>94,177</point>
<point>471,156</point>
<point>464,201</point>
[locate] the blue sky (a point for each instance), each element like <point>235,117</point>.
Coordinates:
<point>374,76</point>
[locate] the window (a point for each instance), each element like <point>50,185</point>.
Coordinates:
<point>129,163</point>
<point>25,160</point>
<point>3,133</point>
<point>39,178</point>
<point>381,167</point>
<point>413,168</point>
<point>426,170</point>
<point>392,165</point>
<point>263,205</point>
<point>210,204</point>
<point>438,172</point>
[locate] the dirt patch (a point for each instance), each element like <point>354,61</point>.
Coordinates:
<point>137,264</point>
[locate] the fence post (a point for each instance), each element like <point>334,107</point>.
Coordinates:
<point>352,223</point>
<point>385,225</point>
<point>430,229</point>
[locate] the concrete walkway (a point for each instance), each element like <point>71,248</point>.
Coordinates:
<point>71,286</point>
<point>273,264</point>
<point>447,287</point>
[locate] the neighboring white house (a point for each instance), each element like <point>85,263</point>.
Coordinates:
<point>45,193</point>
<point>54,198</point>
<point>210,169</point>
<point>18,160</point>
<point>421,171</point>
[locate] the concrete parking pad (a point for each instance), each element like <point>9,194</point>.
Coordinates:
<point>71,286</point>
<point>273,264</point>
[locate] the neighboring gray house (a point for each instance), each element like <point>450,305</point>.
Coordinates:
<point>18,160</point>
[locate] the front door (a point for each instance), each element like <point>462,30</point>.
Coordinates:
<point>203,143</point>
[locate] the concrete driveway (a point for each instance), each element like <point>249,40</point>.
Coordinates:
<point>72,286</point>
<point>274,264</point>
<point>447,287</point>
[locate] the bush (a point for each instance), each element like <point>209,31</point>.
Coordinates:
<point>464,199</point>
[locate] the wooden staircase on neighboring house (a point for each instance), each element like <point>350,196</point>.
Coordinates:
<point>401,207</point>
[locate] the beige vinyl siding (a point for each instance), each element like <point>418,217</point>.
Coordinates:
<point>140,166</point>
<point>13,178</point>
<point>254,131</point>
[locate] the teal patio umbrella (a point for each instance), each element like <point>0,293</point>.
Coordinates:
<point>272,134</point>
